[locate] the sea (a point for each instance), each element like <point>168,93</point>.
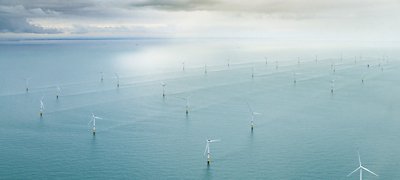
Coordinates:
<point>316,104</point>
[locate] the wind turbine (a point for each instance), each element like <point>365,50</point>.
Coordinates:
<point>117,76</point>
<point>27,83</point>
<point>266,60</point>
<point>58,91</point>
<point>294,77</point>
<point>205,68</point>
<point>298,60</point>
<point>102,77</point>
<point>252,116</point>
<point>41,107</point>
<point>252,72</point>
<point>316,59</point>
<point>333,67</point>
<point>163,84</point>
<point>93,120</point>
<point>187,103</point>
<point>362,79</point>
<point>229,62</point>
<point>207,150</point>
<point>183,66</point>
<point>332,85</point>
<point>276,65</point>
<point>361,168</point>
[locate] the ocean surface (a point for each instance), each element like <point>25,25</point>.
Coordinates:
<point>303,131</point>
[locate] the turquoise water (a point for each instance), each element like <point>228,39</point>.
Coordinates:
<point>303,132</point>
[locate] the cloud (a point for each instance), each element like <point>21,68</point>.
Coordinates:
<point>15,19</point>
<point>201,18</point>
<point>173,5</point>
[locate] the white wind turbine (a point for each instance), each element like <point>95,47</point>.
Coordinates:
<point>332,85</point>
<point>41,107</point>
<point>58,91</point>
<point>252,72</point>
<point>27,83</point>
<point>93,120</point>
<point>252,116</point>
<point>361,168</point>
<point>187,104</point>
<point>363,78</point>
<point>102,76</point>
<point>183,66</point>
<point>163,84</point>
<point>333,67</point>
<point>207,150</point>
<point>117,77</point>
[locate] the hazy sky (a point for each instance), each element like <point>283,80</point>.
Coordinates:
<point>292,19</point>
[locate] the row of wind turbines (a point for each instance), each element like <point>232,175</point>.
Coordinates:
<point>207,151</point>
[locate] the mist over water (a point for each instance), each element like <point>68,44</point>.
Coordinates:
<point>303,132</point>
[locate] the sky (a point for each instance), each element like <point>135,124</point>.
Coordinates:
<point>361,20</point>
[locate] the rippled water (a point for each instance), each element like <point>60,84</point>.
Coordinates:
<point>303,132</point>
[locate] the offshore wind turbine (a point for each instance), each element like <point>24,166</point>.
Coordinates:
<point>332,85</point>
<point>229,63</point>
<point>276,65</point>
<point>266,60</point>
<point>186,99</point>
<point>252,116</point>
<point>294,77</point>
<point>333,67</point>
<point>93,121</point>
<point>207,150</point>
<point>41,107</point>
<point>117,77</point>
<point>252,72</point>
<point>183,66</point>
<point>101,76</point>
<point>362,79</point>
<point>163,84</point>
<point>58,91</point>
<point>361,168</point>
<point>27,84</point>
<point>205,68</point>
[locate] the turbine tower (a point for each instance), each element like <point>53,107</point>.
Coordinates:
<point>207,150</point>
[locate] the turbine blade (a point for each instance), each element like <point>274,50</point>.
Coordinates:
<point>368,170</point>
<point>359,158</point>
<point>205,151</point>
<point>215,140</point>
<point>248,105</point>
<point>354,171</point>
